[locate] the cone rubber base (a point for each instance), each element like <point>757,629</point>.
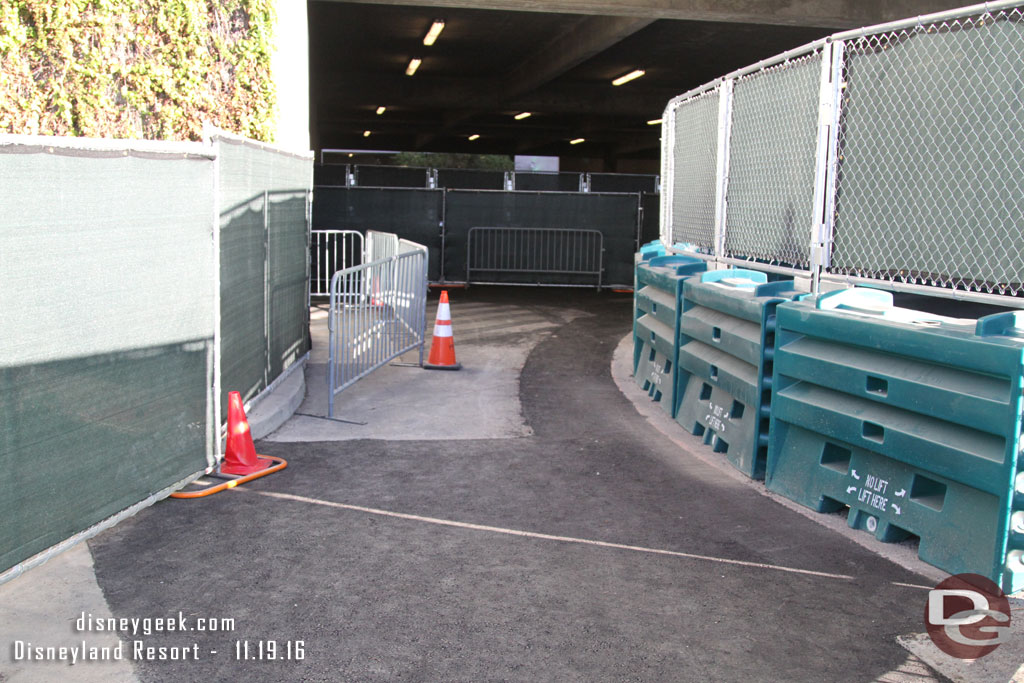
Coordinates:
<point>275,464</point>
<point>430,366</point>
<point>263,462</point>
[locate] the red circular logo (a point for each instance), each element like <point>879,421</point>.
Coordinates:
<point>967,616</point>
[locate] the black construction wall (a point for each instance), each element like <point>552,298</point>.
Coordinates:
<point>330,174</point>
<point>470,179</point>
<point>547,182</point>
<point>650,225</point>
<point>390,176</point>
<point>614,215</point>
<point>621,182</point>
<point>413,214</point>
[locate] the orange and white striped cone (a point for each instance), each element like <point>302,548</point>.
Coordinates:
<point>442,347</point>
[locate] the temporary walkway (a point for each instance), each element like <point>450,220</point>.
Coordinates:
<point>516,520</point>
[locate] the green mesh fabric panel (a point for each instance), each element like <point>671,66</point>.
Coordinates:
<point>243,341</point>
<point>87,437</point>
<point>411,214</point>
<point>287,284</point>
<point>106,334</point>
<point>614,215</point>
<point>264,324</point>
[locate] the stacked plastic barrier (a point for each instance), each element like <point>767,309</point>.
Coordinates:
<point>656,305</point>
<point>646,253</point>
<point>727,333</point>
<point>911,420</point>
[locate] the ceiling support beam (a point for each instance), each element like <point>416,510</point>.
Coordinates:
<point>816,13</point>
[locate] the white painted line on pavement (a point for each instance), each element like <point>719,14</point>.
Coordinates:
<point>545,537</point>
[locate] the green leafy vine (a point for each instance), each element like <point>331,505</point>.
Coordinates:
<point>151,69</point>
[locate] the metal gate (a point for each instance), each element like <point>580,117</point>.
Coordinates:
<point>378,312</point>
<point>535,251</point>
<point>331,251</point>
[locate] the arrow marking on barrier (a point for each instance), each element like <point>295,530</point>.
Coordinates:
<point>896,509</point>
<point>851,489</point>
<point>853,473</point>
<point>901,493</point>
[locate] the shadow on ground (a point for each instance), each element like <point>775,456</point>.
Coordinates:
<point>310,554</point>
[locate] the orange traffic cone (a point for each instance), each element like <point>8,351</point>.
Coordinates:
<point>240,456</point>
<point>442,347</point>
<point>375,299</point>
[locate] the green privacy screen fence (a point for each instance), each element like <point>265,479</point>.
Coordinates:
<point>112,279</point>
<point>263,195</point>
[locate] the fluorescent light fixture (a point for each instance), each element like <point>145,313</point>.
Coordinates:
<point>434,32</point>
<point>523,115</point>
<point>414,64</point>
<point>474,136</point>
<point>576,141</point>
<point>654,122</point>
<point>381,110</point>
<point>632,75</point>
<point>366,133</point>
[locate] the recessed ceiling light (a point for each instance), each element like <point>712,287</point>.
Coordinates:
<point>414,64</point>
<point>626,78</point>
<point>366,133</point>
<point>474,136</point>
<point>381,110</point>
<point>350,155</point>
<point>577,141</point>
<point>523,115</point>
<point>654,122</point>
<point>434,32</point>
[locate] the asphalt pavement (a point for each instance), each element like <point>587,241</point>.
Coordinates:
<point>575,543</point>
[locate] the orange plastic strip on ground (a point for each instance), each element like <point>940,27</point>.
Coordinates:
<point>280,464</point>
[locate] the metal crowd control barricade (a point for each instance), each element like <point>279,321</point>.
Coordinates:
<point>380,245</point>
<point>535,251</point>
<point>726,337</point>
<point>656,304</point>
<point>331,251</point>
<point>378,313</point>
<point>911,420</point>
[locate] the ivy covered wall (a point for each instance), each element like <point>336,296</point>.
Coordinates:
<point>151,69</point>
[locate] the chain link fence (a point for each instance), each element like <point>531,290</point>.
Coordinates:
<point>691,189</point>
<point>886,156</point>
<point>929,186</point>
<point>772,142</point>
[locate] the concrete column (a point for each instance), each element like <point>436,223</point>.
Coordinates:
<point>289,67</point>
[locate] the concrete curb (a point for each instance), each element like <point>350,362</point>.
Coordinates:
<point>279,403</point>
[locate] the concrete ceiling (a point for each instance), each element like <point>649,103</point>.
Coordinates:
<point>496,58</point>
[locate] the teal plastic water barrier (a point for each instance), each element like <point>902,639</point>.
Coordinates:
<point>646,253</point>
<point>656,323</point>
<point>911,420</point>
<point>727,332</point>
